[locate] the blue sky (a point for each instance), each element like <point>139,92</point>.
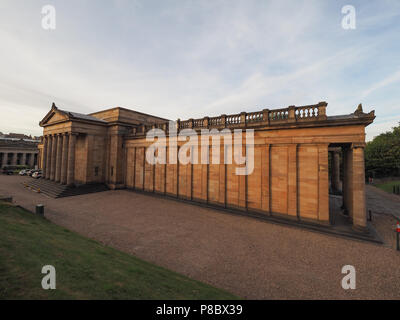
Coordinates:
<point>188,59</point>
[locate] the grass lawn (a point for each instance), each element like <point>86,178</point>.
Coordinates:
<point>388,186</point>
<point>85,269</point>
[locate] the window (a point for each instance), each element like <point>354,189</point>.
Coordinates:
<point>96,171</point>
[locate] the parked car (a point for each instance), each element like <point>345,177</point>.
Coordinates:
<point>37,175</point>
<point>23,172</point>
<point>30,172</point>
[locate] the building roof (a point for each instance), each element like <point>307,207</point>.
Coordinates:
<point>82,116</point>
<point>343,117</point>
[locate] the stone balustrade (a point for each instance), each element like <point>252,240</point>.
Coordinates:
<point>265,117</point>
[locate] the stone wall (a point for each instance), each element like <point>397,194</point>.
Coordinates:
<point>291,170</point>
<point>288,179</point>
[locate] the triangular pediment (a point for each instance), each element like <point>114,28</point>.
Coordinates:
<point>54,116</point>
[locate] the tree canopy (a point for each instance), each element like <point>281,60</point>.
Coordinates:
<point>382,154</point>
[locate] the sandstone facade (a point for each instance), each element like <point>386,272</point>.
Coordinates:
<point>291,167</point>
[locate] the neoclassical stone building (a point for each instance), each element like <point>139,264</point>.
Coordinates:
<point>15,152</point>
<point>292,169</point>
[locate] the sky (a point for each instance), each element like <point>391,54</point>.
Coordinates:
<point>195,58</point>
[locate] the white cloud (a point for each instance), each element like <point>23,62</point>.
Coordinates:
<point>187,59</point>
<point>393,78</point>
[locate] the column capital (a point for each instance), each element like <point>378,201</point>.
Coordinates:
<point>358,145</point>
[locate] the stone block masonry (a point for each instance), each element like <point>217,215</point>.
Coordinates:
<point>291,168</point>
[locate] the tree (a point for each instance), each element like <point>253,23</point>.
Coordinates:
<point>382,154</point>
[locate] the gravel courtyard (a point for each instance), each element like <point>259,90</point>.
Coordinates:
<point>250,258</point>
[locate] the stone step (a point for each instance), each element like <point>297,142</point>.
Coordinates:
<point>56,190</point>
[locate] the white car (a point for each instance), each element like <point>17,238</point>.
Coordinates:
<point>23,172</point>
<point>37,175</point>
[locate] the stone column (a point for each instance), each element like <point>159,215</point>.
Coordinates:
<point>53,159</point>
<point>32,160</point>
<point>58,158</point>
<point>335,178</point>
<point>5,159</point>
<point>14,159</point>
<point>48,156</point>
<point>64,159</point>
<point>44,156</point>
<point>323,184</point>
<point>23,160</point>
<point>358,189</point>
<point>71,159</point>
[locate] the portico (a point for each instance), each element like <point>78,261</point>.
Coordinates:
<point>59,157</point>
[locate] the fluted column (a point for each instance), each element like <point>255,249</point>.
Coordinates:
<point>64,159</point>
<point>71,160</point>
<point>53,159</point>
<point>48,156</point>
<point>58,158</point>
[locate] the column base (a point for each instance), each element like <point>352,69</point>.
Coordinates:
<point>360,229</point>
<point>116,186</point>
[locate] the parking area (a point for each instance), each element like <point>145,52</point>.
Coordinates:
<point>250,258</point>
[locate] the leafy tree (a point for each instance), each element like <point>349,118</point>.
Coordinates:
<point>382,154</point>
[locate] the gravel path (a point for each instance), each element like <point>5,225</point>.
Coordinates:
<point>248,257</point>
<point>381,202</point>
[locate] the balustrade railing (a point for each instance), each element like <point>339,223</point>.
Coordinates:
<point>232,120</point>
<point>254,117</point>
<point>265,117</point>
<point>306,112</point>
<point>278,114</point>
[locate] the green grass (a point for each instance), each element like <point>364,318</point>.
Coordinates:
<point>388,186</point>
<point>85,269</point>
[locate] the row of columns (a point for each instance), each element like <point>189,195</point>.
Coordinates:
<point>14,159</point>
<point>59,157</point>
<point>353,184</point>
